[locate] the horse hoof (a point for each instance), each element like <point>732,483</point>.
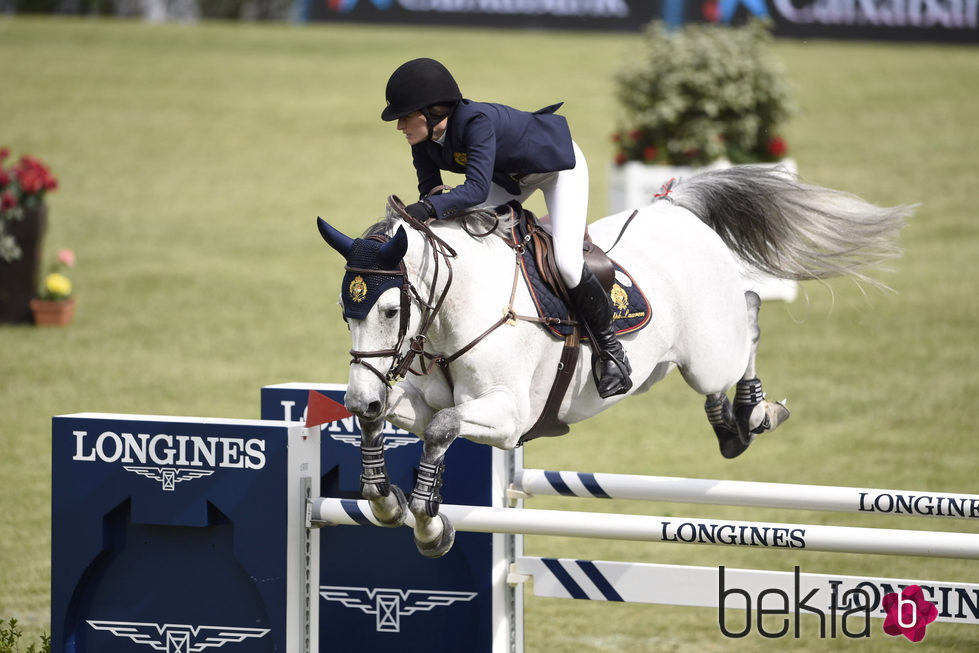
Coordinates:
<point>440,545</point>
<point>777,413</point>
<point>392,518</point>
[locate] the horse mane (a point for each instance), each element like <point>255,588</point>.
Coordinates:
<point>476,222</point>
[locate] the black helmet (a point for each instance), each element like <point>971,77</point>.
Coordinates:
<point>418,84</point>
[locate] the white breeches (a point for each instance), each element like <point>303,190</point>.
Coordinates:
<point>566,197</point>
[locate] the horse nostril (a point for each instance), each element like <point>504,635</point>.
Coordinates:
<point>374,408</point>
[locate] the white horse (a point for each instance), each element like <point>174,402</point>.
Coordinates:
<point>447,304</point>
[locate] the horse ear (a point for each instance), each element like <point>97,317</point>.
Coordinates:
<point>335,238</point>
<point>394,250</point>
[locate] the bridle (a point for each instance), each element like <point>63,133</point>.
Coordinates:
<point>442,255</point>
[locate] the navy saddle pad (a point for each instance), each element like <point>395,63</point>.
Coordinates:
<point>630,307</point>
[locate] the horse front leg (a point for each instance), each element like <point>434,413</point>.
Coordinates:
<point>489,419</point>
<point>387,501</point>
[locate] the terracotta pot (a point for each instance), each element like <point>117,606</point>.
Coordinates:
<point>53,313</point>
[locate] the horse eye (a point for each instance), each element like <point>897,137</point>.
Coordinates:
<point>390,313</point>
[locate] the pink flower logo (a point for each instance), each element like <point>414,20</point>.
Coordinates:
<point>908,613</point>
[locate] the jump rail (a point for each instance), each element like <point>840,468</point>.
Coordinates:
<point>530,482</point>
<point>841,539</point>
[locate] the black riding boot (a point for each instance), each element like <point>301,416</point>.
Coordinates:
<point>610,366</point>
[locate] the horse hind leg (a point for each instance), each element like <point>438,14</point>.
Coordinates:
<point>753,414</point>
<point>720,414</point>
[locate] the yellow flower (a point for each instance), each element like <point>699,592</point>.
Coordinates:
<point>58,285</point>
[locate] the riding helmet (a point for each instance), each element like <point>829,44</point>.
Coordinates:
<point>418,84</point>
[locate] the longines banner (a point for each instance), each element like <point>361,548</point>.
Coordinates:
<point>917,20</point>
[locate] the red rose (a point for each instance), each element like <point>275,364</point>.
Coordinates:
<point>4,178</point>
<point>777,147</point>
<point>616,137</point>
<point>650,153</point>
<point>7,201</point>
<point>4,153</point>
<point>621,157</point>
<point>635,134</point>
<point>30,182</point>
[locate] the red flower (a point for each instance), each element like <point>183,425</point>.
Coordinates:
<point>621,157</point>
<point>777,147</point>
<point>4,153</point>
<point>33,176</point>
<point>650,153</point>
<point>635,134</point>
<point>7,201</point>
<point>4,178</point>
<point>616,137</point>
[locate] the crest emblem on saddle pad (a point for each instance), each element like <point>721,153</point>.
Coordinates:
<point>619,297</point>
<point>357,289</point>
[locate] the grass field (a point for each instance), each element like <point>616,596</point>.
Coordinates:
<point>192,162</point>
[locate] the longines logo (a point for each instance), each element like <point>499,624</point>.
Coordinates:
<point>389,605</point>
<point>169,459</point>
<point>178,638</point>
<point>168,477</point>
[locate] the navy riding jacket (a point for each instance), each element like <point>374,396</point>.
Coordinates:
<point>490,143</point>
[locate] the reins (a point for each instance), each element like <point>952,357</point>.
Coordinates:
<point>442,253</point>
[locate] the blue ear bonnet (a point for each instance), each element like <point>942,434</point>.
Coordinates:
<point>360,290</point>
<point>361,286</point>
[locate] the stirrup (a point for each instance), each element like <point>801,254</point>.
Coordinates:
<point>623,368</point>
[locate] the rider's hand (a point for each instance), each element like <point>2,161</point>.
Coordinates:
<point>421,211</point>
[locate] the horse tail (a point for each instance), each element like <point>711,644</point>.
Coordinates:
<point>793,230</point>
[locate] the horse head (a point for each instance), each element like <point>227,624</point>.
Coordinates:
<point>376,306</point>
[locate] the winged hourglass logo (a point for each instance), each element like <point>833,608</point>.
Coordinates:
<point>389,605</point>
<point>178,638</point>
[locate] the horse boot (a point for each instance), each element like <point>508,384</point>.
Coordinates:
<point>610,366</point>
<point>720,414</point>
<point>753,415</point>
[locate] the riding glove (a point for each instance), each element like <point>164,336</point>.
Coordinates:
<point>421,211</point>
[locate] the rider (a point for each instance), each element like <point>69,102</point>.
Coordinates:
<point>505,154</point>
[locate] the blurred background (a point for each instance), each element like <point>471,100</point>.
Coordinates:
<point>194,144</point>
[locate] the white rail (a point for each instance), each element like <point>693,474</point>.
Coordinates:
<point>797,537</point>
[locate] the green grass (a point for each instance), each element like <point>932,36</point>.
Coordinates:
<point>192,162</point>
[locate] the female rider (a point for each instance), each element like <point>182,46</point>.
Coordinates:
<point>505,154</point>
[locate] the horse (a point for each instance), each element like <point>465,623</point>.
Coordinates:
<point>445,342</point>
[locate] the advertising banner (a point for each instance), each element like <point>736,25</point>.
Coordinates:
<point>181,534</point>
<point>558,14</point>
<point>954,21</point>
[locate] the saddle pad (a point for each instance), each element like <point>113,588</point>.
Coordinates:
<point>629,305</point>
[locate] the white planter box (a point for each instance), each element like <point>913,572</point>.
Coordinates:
<point>634,184</point>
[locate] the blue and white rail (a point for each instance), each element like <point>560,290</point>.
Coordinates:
<point>630,582</point>
<point>530,482</point>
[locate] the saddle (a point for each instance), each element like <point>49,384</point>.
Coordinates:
<point>551,298</point>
